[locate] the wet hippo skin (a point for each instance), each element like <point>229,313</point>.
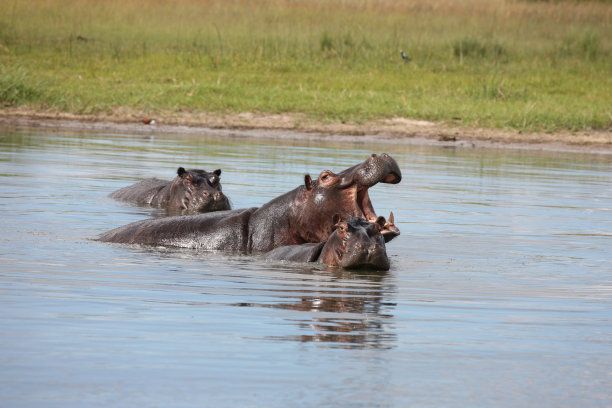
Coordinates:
<point>305,214</point>
<point>191,191</point>
<point>354,243</point>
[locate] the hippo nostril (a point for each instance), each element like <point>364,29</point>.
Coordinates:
<point>205,193</point>
<point>374,155</point>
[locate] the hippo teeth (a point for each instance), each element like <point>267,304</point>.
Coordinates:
<point>390,221</point>
<point>389,230</point>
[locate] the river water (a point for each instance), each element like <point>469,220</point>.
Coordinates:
<point>499,292</point>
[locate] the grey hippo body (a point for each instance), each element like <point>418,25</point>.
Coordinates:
<point>303,215</point>
<point>354,243</point>
<point>191,191</point>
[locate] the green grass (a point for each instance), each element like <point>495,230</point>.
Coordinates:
<point>508,64</point>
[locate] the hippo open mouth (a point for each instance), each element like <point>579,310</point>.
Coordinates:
<point>377,169</point>
<point>389,230</point>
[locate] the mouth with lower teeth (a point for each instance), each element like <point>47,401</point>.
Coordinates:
<point>388,230</point>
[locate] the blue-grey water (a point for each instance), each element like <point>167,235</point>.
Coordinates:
<point>499,293</point>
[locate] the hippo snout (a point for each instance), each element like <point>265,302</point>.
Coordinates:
<point>376,169</point>
<point>394,175</point>
<point>220,201</point>
<point>369,248</point>
<point>205,199</point>
<point>377,257</point>
<point>366,255</point>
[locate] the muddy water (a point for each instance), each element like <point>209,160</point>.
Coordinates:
<point>499,292</point>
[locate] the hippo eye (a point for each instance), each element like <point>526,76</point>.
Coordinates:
<point>326,176</point>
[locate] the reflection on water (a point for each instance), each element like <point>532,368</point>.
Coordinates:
<point>499,292</point>
<point>349,310</point>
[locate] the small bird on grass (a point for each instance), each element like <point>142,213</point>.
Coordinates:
<point>405,57</point>
<point>148,121</point>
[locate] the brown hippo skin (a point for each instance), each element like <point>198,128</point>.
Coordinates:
<point>355,243</point>
<point>305,214</point>
<point>191,191</point>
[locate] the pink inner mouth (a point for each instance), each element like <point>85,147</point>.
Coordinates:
<point>365,205</point>
<point>391,178</point>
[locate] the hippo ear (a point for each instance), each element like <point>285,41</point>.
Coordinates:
<point>337,222</point>
<point>217,172</point>
<point>181,172</point>
<point>308,182</point>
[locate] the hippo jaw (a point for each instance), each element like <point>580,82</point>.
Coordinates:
<point>364,205</point>
<point>376,169</point>
<point>374,257</point>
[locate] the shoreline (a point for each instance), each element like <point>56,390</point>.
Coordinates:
<point>300,127</point>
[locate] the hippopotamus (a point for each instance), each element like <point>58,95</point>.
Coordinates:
<point>302,215</point>
<point>191,191</point>
<point>354,243</point>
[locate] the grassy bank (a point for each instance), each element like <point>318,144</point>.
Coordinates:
<point>524,65</point>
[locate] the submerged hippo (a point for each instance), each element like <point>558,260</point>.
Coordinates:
<point>191,191</point>
<point>355,243</point>
<point>302,215</point>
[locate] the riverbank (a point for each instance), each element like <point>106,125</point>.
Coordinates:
<point>298,126</point>
<point>525,66</point>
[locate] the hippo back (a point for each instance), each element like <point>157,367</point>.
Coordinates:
<point>296,253</point>
<point>141,193</point>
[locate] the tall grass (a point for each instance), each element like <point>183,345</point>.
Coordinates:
<point>516,64</point>
<point>16,88</point>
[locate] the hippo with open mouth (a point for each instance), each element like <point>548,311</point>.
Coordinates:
<point>355,243</point>
<point>302,215</point>
<point>191,191</point>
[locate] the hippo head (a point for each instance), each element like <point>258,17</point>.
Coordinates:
<point>198,191</point>
<point>346,194</point>
<point>356,243</point>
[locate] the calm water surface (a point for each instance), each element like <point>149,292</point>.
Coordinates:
<point>499,293</point>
